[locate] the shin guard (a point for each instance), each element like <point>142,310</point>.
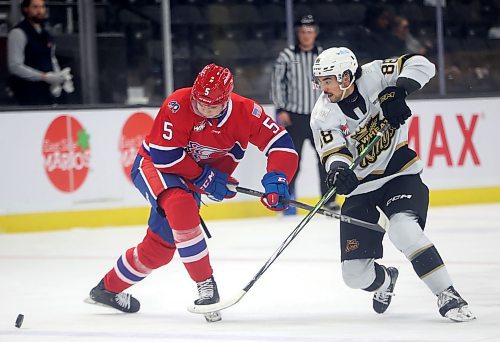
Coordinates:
<point>138,262</point>
<point>183,216</point>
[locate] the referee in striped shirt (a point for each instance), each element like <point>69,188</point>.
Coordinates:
<point>294,96</point>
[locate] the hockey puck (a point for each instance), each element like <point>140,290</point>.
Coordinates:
<point>19,320</point>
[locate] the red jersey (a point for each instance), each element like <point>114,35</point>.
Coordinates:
<point>181,142</point>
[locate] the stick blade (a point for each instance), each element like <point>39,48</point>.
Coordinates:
<point>224,304</point>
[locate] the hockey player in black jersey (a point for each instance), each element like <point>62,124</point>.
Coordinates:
<point>357,101</point>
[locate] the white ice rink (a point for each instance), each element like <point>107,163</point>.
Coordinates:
<point>302,297</point>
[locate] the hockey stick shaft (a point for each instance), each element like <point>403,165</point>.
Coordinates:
<point>314,210</point>
<point>205,228</point>
<point>201,309</point>
<point>372,226</point>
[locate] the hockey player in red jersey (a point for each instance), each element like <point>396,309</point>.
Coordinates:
<point>198,138</point>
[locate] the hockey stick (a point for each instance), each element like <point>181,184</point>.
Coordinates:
<point>205,228</point>
<point>203,309</point>
<point>380,226</point>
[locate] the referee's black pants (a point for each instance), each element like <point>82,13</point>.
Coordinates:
<point>300,131</point>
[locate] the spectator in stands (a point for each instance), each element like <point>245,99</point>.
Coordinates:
<point>293,95</point>
<point>35,75</point>
<point>377,24</point>
<point>403,39</point>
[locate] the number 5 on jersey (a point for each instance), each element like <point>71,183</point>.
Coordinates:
<point>167,128</point>
<point>271,125</point>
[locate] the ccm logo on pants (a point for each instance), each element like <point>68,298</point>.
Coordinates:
<point>397,197</point>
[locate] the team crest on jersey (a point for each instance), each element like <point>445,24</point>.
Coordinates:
<point>200,127</point>
<point>257,112</point>
<point>366,134</point>
<point>201,152</point>
<point>174,106</point>
<point>351,245</point>
<point>322,115</point>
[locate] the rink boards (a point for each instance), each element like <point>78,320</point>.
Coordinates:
<point>69,168</point>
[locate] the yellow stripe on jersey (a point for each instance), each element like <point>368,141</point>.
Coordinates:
<point>410,163</point>
<point>401,144</point>
<point>402,59</point>
<point>324,156</point>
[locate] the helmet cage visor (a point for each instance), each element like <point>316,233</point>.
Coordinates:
<point>194,106</point>
<point>341,79</point>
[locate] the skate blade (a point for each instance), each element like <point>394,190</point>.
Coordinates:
<point>462,314</point>
<point>213,317</point>
<point>89,300</point>
<point>203,309</point>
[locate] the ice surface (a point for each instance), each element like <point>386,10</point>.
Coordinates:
<point>302,297</point>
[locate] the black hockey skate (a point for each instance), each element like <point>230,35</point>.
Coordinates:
<point>454,307</point>
<point>207,290</point>
<point>382,300</point>
<point>121,301</point>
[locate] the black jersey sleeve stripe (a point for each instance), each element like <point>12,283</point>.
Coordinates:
<point>402,159</point>
<point>342,151</point>
<point>403,59</point>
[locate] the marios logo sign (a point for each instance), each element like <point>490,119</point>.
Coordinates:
<point>137,126</point>
<point>66,152</point>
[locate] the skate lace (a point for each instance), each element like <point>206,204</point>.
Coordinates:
<point>383,297</point>
<point>123,299</point>
<point>446,296</point>
<point>205,289</point>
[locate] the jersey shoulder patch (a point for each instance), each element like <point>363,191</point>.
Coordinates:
<point>179,100</point>
<point>246,107</point>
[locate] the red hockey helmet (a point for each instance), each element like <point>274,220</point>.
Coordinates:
<point>213,85</point>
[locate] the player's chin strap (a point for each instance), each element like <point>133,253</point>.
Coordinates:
<point>345,89</point>
<point>381,226</point>
<point>223,304</point>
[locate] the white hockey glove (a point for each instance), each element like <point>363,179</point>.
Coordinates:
<point>67,84</point>
<point>54,77</point>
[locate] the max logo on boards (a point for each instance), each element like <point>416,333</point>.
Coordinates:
<point>440,146</point>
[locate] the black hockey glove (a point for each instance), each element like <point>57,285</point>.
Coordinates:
<point>393,104</point>
<point>343,178</point>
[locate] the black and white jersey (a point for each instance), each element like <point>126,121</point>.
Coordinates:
<point>291,86</point>
<point>342,130</point>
